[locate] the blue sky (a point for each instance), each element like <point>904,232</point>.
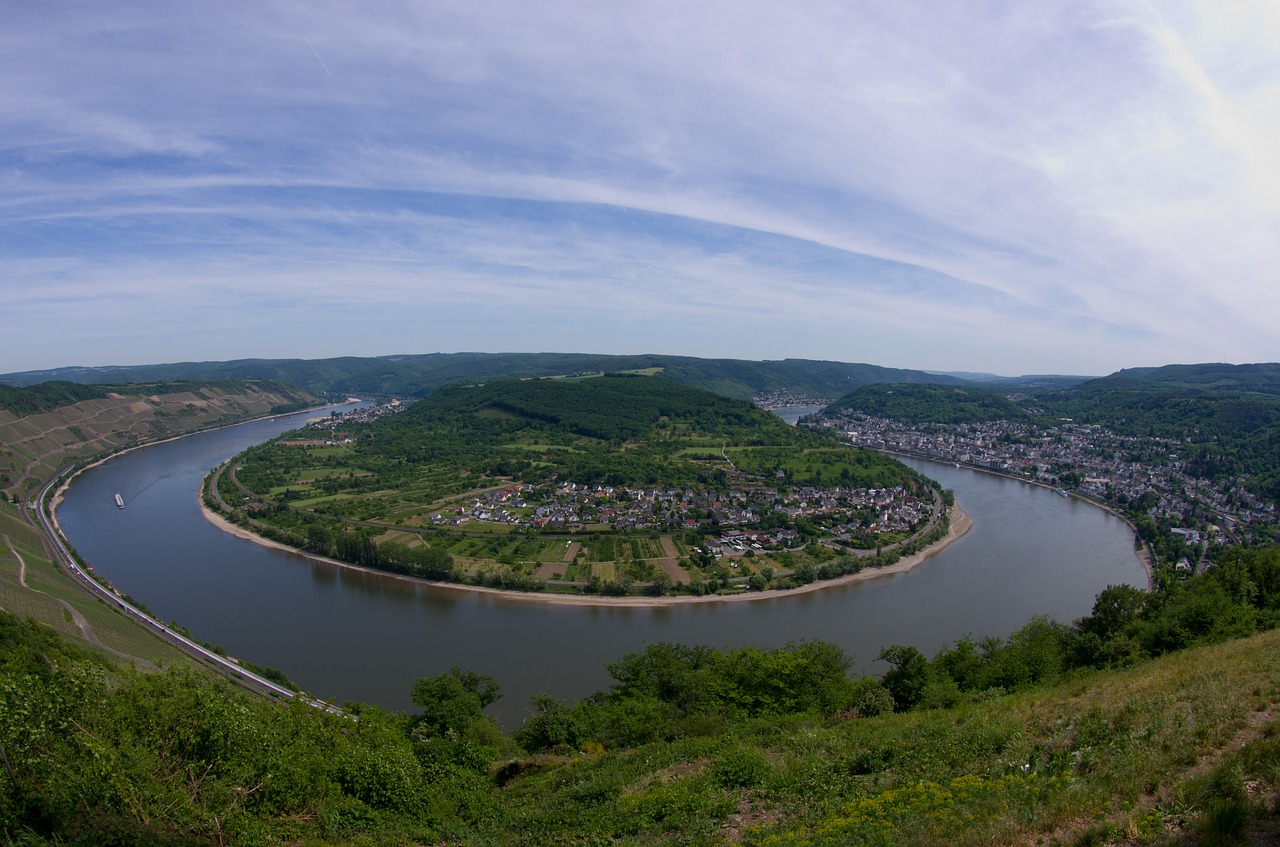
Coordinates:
<point>1065,187</point>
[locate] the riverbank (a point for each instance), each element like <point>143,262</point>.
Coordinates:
<point>1142,553</point>
<point>56,499</point>
<point>961,523</point>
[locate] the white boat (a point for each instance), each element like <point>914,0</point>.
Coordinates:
<point>119,500</point>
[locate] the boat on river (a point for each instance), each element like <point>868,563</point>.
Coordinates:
<point>119,500</point>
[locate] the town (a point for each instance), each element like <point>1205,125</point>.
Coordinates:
<point>768,516</point>
<point>1146,473</point>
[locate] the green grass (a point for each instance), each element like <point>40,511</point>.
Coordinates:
<point>1084,762</point>
<point>46,585</point>
<point>328,498</point>
<point>312,474</point>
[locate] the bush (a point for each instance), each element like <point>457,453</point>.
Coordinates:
<point>870,698</point>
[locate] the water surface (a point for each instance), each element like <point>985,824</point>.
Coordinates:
<point>365,637</point>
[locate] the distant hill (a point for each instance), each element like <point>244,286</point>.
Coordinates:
<point>614,428</point>
<point>1036,382</point>
<point>1262,378</point>
<point>44,426</point>
<point>415,376</point>
<point>917,404</point>
<point>609,408</point>
<point>46,396</point>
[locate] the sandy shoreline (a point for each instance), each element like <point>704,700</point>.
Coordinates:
<point>961,523</point>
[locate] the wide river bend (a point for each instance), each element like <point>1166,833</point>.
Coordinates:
<point>358,636</point>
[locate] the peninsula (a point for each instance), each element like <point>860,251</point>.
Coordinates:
<point>622,487</point>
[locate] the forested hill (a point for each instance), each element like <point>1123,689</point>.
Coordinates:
<point>916,404</point>
<point>46,396</point>
<point>614,429</point>
<point>1262,378</point>
<point>608,408</point>
<point>419,375</point>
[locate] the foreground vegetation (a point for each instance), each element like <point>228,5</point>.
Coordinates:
<point>1063,734</point>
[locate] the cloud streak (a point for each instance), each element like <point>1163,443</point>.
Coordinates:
<point>1066,187</point>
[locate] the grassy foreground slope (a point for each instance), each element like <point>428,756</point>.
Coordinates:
<point>46,426</point>
<point>1183,749</point>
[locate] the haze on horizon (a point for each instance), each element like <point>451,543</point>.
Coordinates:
<point>1054,187</point>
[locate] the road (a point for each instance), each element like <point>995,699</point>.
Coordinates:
<point>61,554</point>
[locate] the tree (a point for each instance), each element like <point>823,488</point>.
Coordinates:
<point>551,725</point>
<point>908,678</point>
<point>454,700</point>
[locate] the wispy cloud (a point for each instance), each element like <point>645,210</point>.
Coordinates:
<point>1064,187</point>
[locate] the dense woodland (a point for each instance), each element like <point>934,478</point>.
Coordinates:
<point>612,430</point>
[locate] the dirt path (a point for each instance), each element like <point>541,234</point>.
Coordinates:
<point>22,563</point>
<point>86,631</point>
<point>572,551</point>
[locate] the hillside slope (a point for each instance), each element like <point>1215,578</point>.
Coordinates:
<point>1187,745</point>
<point>42,428</point>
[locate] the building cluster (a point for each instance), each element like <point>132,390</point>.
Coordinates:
<point>1089,459</point>
<point>367,414</point>
<point>788,399</point>
<point>840,513</point>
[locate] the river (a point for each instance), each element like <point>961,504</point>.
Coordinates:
<point>364,637</point>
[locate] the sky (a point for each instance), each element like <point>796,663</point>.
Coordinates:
<point>1010,187</point>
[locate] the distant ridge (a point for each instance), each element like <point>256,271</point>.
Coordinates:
<point>417,376</point>
<point>1260,378</point>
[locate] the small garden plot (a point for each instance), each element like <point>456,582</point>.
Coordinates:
<point>312,501</point>
<point>397,536</point>
<point>607,571</point>
<point>647,548</point>
<point>602,549</point>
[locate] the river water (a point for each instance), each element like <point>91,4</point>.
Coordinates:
<point>365,637</point>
